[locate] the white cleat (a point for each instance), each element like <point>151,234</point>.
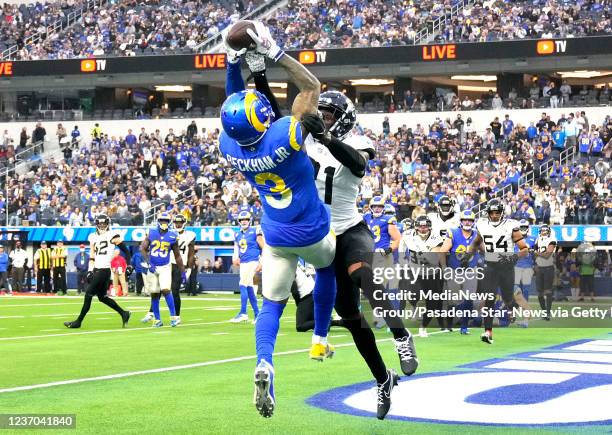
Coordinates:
<point>240,318</point>
<point>423,333</point>
<point>149,317</point>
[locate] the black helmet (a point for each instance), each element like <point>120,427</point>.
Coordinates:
<point>407,223</point>
<point>343,110</point>
<point>179,222</point>
<point>422,221</point>
<point>102,222</point>
<point>495,205</point>
<point>445,206</point>
<point>545,230</point>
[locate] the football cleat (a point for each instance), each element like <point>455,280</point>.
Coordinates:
<point>173,323</point>
<point>177,319</point>
<point>383,391</point>
<point>487,337</point>
<point>523,324</point>
<point>464,331</point>
<point>72,325</point>
<point>240,318</point>
<point>320,351</point>
<point>264,389</point>
<point>423,333</point>
<point>125,317</point>
<point>149,317</point>
<point>407,354</point>
<point>158,324</point>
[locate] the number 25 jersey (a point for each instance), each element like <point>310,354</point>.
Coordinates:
<point>160,246</point>
<point>283,175</point>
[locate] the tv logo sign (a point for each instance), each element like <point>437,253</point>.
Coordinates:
<point>93,65</point>
<point>548,46</point>
<point>309,57</point>
<point>562,385</point>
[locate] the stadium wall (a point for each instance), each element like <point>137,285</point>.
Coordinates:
<point>480,120</point>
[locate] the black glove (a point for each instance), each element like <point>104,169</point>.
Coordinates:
<point>316,127</point>
<point>508,259</point>
<point>128,271</point>
<point>465,260</point>
<point>89,276</point>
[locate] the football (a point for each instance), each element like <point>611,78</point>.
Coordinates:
<point>238,37</point>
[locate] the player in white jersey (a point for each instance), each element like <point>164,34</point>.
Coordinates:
<point>499,235</point>
<point>445,218</point>
<point>340,161</point>
<point>420,249</point>
<point>101,247</point>
<point>544,249</point>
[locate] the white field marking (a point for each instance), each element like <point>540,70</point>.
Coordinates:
<point>158,370</point>
<point>550,366</point>
<point>337,336</point>
<point>122,298</point>
<point>11,317</point>
<point>167,369</point>
<point>599,357</point>
<point>194,320</point>
<point>590,347</point>
<point>221,333</point>
<point>50,330</point>
<point>102,331</point>
<point>161,332</point>
<point>98,313</point>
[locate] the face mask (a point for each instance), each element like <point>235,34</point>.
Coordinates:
<point>82,251</point>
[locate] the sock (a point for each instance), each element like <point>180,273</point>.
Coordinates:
<point>266,329</point>
<point>549,301</point>
<point>170,302</point>
<point>176,295</point>
<point>465,305</point>
<point>252,300</point>
<point>155,306</point>
<point>85,308</point>
<point>111,303</point>
<point>526,290</point>
<point>324,295</point>
<point>542,302</point>
<point>366,345</point>
<point>243,299</point>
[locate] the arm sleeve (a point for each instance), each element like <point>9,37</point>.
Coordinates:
<point>261,84</point>
<point>348,156</point>
<point>234,82</point>
<point>126,252</point>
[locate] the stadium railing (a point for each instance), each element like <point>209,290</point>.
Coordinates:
<point>150,215</point>
<point>57,26</point>
<point>265,8</point>
<point>427,33</point>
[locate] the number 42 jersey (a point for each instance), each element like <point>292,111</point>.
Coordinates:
<point>103,248</point>
<point>338,187</point>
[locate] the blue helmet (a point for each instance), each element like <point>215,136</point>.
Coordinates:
<point>244,219</point>
<point>466,220</point>
<point>246,116</point>
<point>163,221</point>
<point>378,202</point>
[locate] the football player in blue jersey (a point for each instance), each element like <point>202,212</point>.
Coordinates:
<point>384,228</point>
<point>155,250</point>
<point>295,223</point>
<point>523,272</point>
<point>248,243</point>
<point>456,243</point>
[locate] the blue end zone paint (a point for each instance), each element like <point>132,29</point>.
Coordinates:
<point>333,400</point>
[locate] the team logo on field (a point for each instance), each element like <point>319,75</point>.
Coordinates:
<point>561,385</point>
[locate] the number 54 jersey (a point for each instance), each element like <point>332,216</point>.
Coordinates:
<point>338,187</point>
<point>497,238</point>
<point>283,175</point>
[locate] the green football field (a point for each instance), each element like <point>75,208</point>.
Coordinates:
<point>197,378</point>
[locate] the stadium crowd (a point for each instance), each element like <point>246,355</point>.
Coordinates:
<point>129,27</point>
<point>183,172</point>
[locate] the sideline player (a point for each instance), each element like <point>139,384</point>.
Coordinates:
<point>421,248</point>
<point>444,218</point>
<point>101,248</point>
<point>499,236</point>
<point>456,243</point>
<point>248,244</point>
<point>186,247</point>
<point>295,223</point>
<point>155,250</point>
<point>545,246</point>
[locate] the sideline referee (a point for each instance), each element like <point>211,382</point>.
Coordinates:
<point>58,256</point>
<point>42,268</point>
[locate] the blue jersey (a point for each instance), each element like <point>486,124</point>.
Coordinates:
<point>379,226</point>
<point>597,144</point>
<point>160,246</point>
<point>459,248</point>
<point>284,177</point>
<point>584,143</point>
<point>246,242</point>
<point>527,261</point>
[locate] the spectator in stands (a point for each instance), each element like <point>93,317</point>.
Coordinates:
<point>554,94</point>
<point>38,136</point>
<point>218,266</point>
<point>566,92</point>
<point>206,267</point>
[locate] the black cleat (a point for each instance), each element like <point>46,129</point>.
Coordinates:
<point>407,354</point>
<point>72,325</point>
<point>384,394</point>
<point>487,337</point>
<point>126,317</point>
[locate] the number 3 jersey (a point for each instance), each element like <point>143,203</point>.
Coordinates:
<point>497,238</point>
<point>103,248</point>
<point>184,239</point>
<point>282,173</point>
<point>160,246</point>
<point>338,187</point>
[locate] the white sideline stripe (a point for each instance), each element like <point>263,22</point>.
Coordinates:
<point>12,317</point>
<point>169,369</point>
<point>550,366</point>
<point>577,356</point>
<point>589,347</point>
<point>220,333</point>
<point>122,298</point>
<point>600,342</point>
<point>133,310</point>
<point>50,330</point>
<point>102,331</point>
<point>159,370</point>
